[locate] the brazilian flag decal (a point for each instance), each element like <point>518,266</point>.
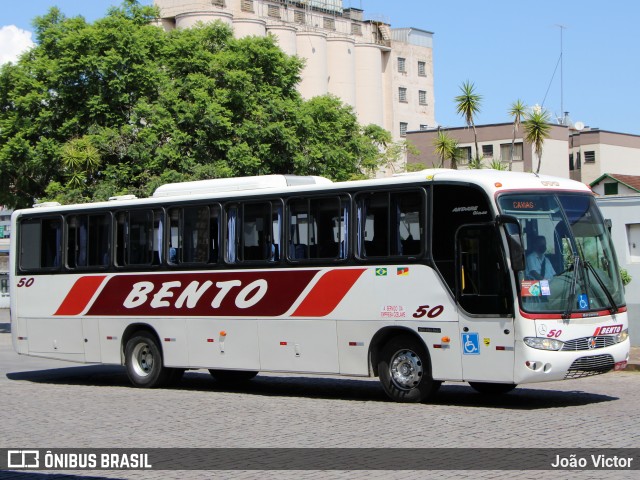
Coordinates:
<point>381,272</point>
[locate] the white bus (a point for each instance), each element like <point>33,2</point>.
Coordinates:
<point>492,278</point>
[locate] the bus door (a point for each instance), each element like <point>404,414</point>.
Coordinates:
<point>485,299</point>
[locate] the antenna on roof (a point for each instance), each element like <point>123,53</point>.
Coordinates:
<point>562,28</point>
<point>561,64</point>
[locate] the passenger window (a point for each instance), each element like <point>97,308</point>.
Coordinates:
<point>454,206</point>
<point>88,240</point>
<point>482,275</point>
<point>41,244</point>
<point>390,224</point>
<point>317,228</point>
<point>193,235</point>
<point>139,236</point>
<point>253,232</point>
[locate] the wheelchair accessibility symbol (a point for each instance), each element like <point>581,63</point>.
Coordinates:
<point>470,344</point>
<point>583,301</point>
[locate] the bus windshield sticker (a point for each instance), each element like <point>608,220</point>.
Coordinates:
<point>530,288</point>
<point>583,301</point>
<point>545,290</point>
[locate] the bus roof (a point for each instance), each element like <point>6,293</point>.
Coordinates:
<point>492,181</point>
<point>220,185</point>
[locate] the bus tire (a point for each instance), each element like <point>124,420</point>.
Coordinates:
<point>492,388</point>
<point>232,376</point>
<point>404,370</point>
<point>143,359</point>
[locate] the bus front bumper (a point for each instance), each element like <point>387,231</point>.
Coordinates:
<point>533,365</point>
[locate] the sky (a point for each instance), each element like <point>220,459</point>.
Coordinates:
<point>508,49</point>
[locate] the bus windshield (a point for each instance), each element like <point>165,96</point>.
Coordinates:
<point>570,262</point>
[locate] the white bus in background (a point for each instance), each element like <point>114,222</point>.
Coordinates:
<point>417,279</point>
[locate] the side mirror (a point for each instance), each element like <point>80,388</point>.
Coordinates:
<point>514,240</point>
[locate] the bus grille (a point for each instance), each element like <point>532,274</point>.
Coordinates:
<point>588,366</point>
<point>586,342</point>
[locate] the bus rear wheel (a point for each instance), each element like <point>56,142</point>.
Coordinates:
<point>143,359</point>
<point>492,388</point>
<point>232,376</point>
<point>404,370</point>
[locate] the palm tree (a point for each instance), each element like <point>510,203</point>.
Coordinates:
<point>516,111</point>
<point>81,159</point>
<point>468,105</point>
<point>454,153</point>
<point>443,144</point>
<point>536,130</point>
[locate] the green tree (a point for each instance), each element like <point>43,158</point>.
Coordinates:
<point>120,106</point>
<point>80,160</point>
<point>496,164</point>
<point>536,130</point>
<point>454,154</point>
<point>468,106</point>
<point>516,112</point>
<point>331,143</point>
<point>444,147</point>
<point>416,167</point>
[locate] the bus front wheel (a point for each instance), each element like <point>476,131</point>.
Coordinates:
<point>143,359</point>
<point>404,370</point>
<point>492,388</point>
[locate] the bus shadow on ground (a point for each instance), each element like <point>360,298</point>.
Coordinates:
<point>366,389</point>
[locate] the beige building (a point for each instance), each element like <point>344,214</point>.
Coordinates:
<point>494,143</point>
<point>385,74</point>
<point>594,152</point>
<point>583,155</point>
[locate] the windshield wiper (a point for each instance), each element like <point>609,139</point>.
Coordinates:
<point>613,308</point>
<point>572,289</point>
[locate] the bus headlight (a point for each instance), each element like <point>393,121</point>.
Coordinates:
<point>543,343</point>
<point>622,336</point>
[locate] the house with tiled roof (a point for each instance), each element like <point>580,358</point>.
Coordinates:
<point>616,184</point>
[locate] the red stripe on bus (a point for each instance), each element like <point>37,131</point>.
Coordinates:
<point>80,295</point>
<point>574,314</point>
<point>328,293</point>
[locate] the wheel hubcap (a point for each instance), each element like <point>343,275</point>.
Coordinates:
<point>142,359</point>
<point>406,369</point>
